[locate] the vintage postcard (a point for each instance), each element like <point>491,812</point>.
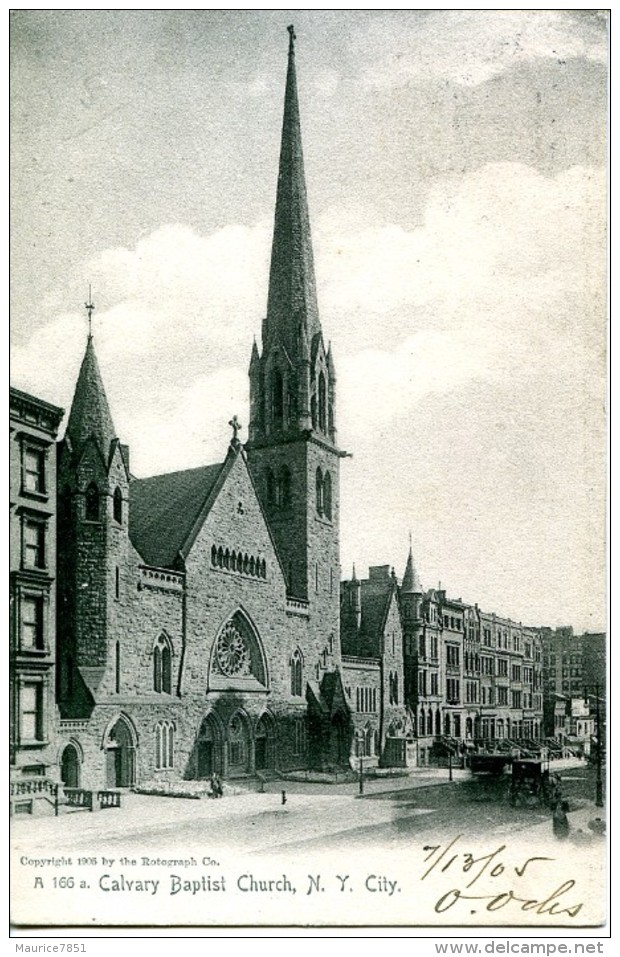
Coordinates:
<point>308,469</point>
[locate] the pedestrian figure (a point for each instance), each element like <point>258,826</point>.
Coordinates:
<point>561,827</point>
<point>219,790</point>
<point>556,792</point>
<point>283,797</point>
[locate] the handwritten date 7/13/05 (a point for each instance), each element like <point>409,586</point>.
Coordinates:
<point>492,866</point>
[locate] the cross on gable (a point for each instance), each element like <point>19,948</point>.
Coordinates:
<point>236,426</point>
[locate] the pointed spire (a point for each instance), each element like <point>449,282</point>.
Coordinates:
<point>353,575</point>
<point>411,580</point>
<point>254,358</point>
<point>90,412</point>
<point>292,290</point>
<point>330,363</point>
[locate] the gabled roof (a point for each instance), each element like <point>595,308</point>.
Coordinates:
<point>164,509</point>
<point>376,595</point>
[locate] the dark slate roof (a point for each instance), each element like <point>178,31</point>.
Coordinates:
<point>90,412</point>
<point>376,596</point>
<point>163,510</point>
<point>375,602</point>
<point>292,287</point>
<point>411,579</point>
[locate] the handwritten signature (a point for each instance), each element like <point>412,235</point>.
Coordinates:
<point>494,865</point>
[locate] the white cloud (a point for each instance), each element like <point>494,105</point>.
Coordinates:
<point>470,47</point>
<point>470,370</point>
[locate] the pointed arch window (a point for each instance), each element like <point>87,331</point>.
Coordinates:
<point>271,489</point>
<point>327,495</point>
<point>319,491</point>
<point>92,503</point>
<point>322,404</point>
<point>164,745</point>
<point>297,668</point>
<point>277,399</point>
<point>118,506</point>
<point>285,488</point>
<point>162,665</point>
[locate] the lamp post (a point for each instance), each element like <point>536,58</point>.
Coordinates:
<point>599,777</point>
<point>450,765</point>
<point>360,742</point>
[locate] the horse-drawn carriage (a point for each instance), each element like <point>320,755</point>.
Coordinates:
<point>531,784</point>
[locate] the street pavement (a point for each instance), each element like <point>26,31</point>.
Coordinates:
<point>390,811</point>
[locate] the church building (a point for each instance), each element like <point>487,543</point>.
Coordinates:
<point>202,626</point>
<point>199,611</point>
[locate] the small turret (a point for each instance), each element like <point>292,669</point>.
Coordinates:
<point>411,580</point>
<point>90,413</point>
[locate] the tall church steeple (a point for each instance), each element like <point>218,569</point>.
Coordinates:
<point>292,290</point>
<point>292,385</point>
<point>292,449</point>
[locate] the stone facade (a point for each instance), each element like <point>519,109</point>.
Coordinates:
<point>202,625</point>
<point>32,502</point>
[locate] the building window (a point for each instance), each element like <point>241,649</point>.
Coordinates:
<point>284,489</point>
<point>117,582</point>
<point>162,665</point>
<point>117,667</point>
<point>299,736</point>
<point>278,399</point>
<point>164,745</point>
<point>393,686</point>
<point>118,506</point>
<point>319,491</point>
<point>366,700</point>
<point>516,699</point>
<point>91,507</point>
<point>502,668</point>
<point>322,404</point>
<point>452,656</point>
<point>31,711</point>
<point>32,635</point>
<point>33,470</point>
<point>502,696</point>
<point>434,683</point>
<point>34,544</point>
<point>453,692</point>
<point>297,674</point>
<point>327,495</point>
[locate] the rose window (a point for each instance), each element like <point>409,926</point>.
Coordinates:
<point>232,652</point>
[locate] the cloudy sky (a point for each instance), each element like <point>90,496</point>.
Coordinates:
<point>456,168</point>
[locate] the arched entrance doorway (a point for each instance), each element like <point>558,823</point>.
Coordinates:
<point>238,746</point>
<point>70,767</point>
<point>209,752</point>
<point>263,744</point>
<point>339,743</point>
<point>120,752</point>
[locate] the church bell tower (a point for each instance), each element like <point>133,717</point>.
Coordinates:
<point>292,448</point>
